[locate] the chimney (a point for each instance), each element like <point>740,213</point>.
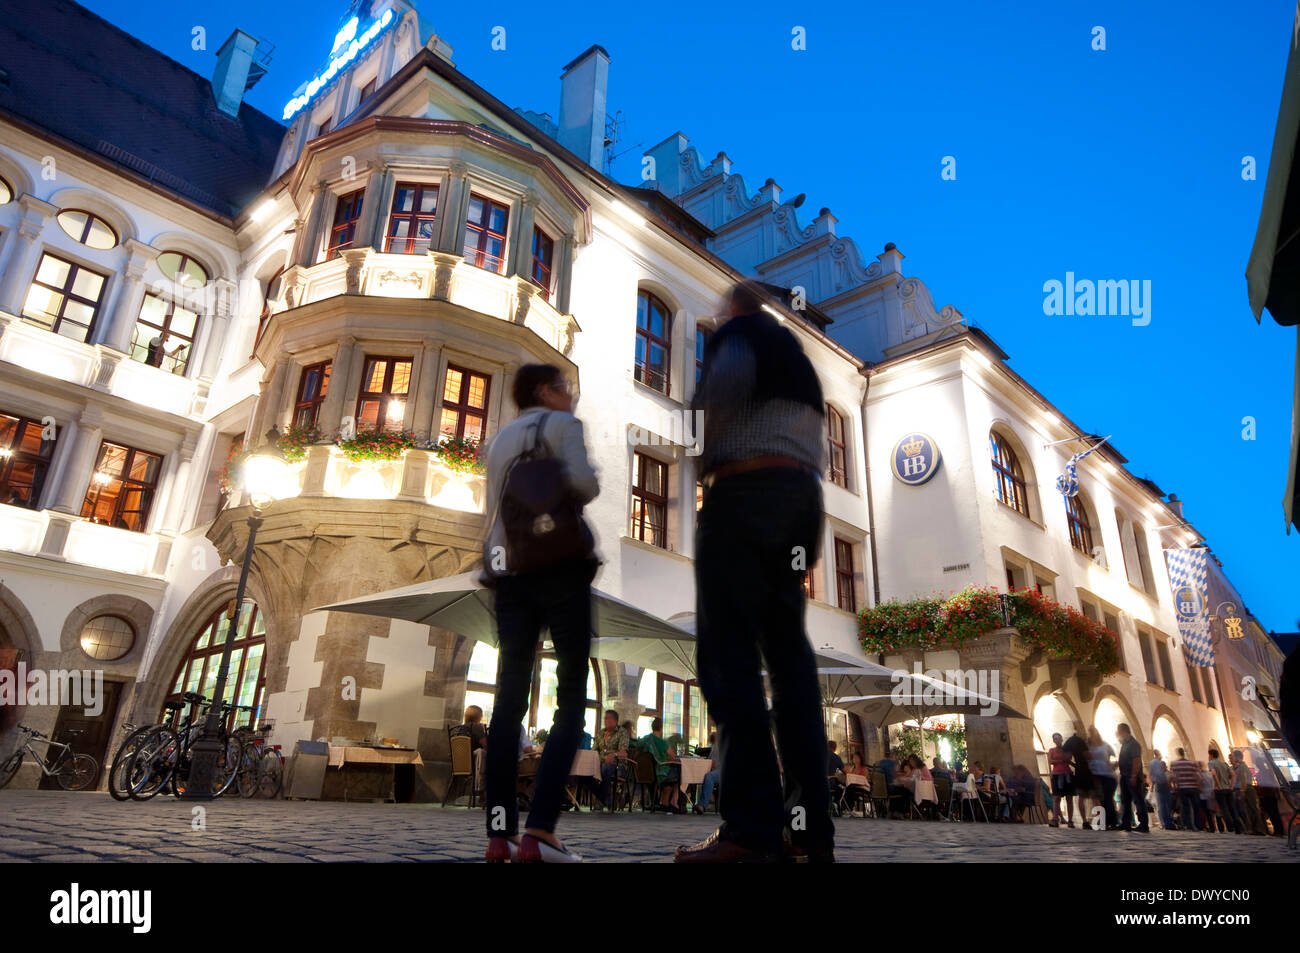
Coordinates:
<point>230,80</point>
<point>583,87</point>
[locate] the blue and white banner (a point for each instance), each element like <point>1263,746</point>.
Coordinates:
<point>1187,577</point>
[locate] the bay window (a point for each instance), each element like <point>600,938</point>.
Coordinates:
<point>464,405</point>
<point>485,233</point>
<point>412,222</point>
<point>346,214</point>
<point>385,383</point>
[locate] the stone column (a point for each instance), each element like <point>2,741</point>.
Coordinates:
<point>21,267</point>
<point>563,271</point>
<point>374,211</point>
<point>117,332</point>
<point>354,277</point>
<point>332,409</point>
<point>426,395</point>
<point>81,462</point>
<point>996,739</point>
<point>521,249</point>
<point>223,300</point>
<point>444,264</point>
<point>309,232</point>
<point>451,234</point>
<point>270,405</point>
<point>176,487</point>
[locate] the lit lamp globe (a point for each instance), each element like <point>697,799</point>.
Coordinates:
<point>264,476</point>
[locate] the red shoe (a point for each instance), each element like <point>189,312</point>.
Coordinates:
<point>501,850</point>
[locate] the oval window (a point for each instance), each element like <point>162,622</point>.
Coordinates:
<point>181,268</point>
<point>106,638</point>
<point>89,229</point>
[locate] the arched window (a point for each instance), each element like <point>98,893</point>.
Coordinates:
<point>6,192</point>
<point>168,324</point>
<point>107,638</point>
<point>1008,474</point>
<point>680,704</point>
<point>246,681</point>
<point>481,688</point>
<point>182,269</point>
<point>835,443</point>
<point>88,229</point>
<point>1076,515</point>
<point>654,331</point>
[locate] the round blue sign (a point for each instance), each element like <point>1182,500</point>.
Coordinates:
<point>915,459</point>
<point>1189,602</point>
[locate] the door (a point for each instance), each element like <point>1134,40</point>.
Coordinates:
<point>96,732</point>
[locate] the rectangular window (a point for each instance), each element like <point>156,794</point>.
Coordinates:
<point>1194,681</point>
<point>24,459</point>
<point>649,500</point>
<point>346,214</point>
<point>845,595</point>
<point>64,298</point>
<point>809,590</point>
<point>367,91</point>
<point>835,444</point>
<point>164,335</point>
<point>702,336</point>
<point>326,125</point>
<point>1166,666</point>
<point>485,233</point>
<point>464,405</point>
<point>122,488</point>
<point>543,261</point>
<point>1111,622</point>
<point>1148,657</point>
<point>412,221</point>
<point>385,382</point>
<point>313,384</point>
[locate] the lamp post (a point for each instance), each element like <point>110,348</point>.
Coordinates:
<point>262,476</point>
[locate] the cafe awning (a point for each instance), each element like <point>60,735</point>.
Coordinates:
<point>1273,272</point>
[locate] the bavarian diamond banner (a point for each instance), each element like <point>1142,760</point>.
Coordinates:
<point>1187,577</point>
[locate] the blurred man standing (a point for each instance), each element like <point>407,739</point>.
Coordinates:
<point>762,456</point>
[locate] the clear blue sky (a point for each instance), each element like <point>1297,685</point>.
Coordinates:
<point>1117,164</point>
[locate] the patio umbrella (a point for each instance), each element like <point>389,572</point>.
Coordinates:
<point>621,632</point>
<point>944,699</point>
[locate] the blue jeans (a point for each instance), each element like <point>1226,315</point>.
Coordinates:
<point>559,599</point>
<point>1165,805</point>
<point>750,611</point>
<point>706,789</point>
<point>1189,807</point>
<point>1130,795</point>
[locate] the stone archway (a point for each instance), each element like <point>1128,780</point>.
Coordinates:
<point>1112,708</point>
<point>1168,733</point>
<point>19,641</point>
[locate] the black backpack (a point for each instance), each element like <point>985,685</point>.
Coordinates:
<point>541,517</point>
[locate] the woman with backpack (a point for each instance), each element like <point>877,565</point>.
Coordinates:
<point>538,554</point>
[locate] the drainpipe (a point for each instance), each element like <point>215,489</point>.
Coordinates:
<point>871,515</point>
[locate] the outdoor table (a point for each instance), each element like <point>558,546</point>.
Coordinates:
<point>374,766</point>
<point>586,764</point>
<point>694,770</point>
<point>921,789</point>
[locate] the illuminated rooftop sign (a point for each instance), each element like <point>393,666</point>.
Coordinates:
<point>347,45</point>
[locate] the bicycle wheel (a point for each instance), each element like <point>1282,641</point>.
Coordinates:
<point>117,785</point>
<point>228,766</point>
<point>78,772</point>
<point>271,773</point>
<point>246,783</point>
<point>10,767</point>
<point>153,764</point>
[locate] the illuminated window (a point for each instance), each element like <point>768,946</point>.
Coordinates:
<point>246,681</point>
<point>1008,474</point>
<point>122,488</point>
<point>680,704</point>
<point>182,269</point>
<point>312,386</point>
<point>653,341</point>
<point>88,229</point>
<point>412,222</point>
<point>385,382</point>
<point>164,335</point>
<point>6,192</point>
<point>464,405</point>
<point>649,500</point>
<point>107,638</point>
<point>835,444</point>
<point>543,261</point>
<point>485,233</point>
<point>480,688</point>
<point>24,459</point>
<point>344,229</point>
<point>64,298</point>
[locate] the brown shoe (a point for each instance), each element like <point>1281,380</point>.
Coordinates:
<point>809,855</point>
<point>715,850</point>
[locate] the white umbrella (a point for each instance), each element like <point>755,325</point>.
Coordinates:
<point>923,701</point>
<point>621,631</point>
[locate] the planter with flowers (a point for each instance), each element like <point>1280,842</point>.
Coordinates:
<point>292,442</point>
<point>1047,627</point>
<point>457,477</point>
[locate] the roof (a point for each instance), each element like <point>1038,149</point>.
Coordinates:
<point>75,75</point>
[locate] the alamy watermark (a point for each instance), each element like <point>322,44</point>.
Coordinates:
<point>958,687</point>
<point>61,687</point>
<point>1104,297</point>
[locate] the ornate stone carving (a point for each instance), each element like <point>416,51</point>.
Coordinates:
<point>788,232</point>
<point>846,262</point>
<point>920,316</point>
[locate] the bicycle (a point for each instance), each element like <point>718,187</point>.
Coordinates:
<point>261,768</point>
<point>75,772</point>
<point>164,755</point>
<point>117,768</point>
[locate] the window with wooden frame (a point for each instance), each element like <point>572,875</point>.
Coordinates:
<point>464,404</point>
<point>543,262</point>
<point>845,587</point>
<point>381,403</point>
<point>835,443</point>
<point>649,500</point>
<point>1076,517</point>
<point>1207,683</point>
<point>367,91</point>
<point>702,335</point>
<point>164,335</point>
<point>1148,656</point>
<point>65,298</point>
<point>1166,664</point>
<point>808,583</point>
<point>413,219</point>
<point>1111,622</point>
<point>1008,474</point>
<point>346,214</point>
<point>313,383</point>
<point>680,704</point>
<point>24,460</point>
<point>485,233</point>
<point>246,682</point>
<point>88,229</point>
<point>654,330</point>
<point>326,124</point>
<point>122,488</point>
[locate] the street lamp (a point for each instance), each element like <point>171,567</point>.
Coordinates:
<point>263,476</point>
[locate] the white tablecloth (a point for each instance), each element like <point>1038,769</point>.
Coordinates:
<point>586,764</point>
<point>921,789</point>
<point>859,779</point>
<point>694,770</point>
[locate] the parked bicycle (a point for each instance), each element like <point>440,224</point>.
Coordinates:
<point>261,768</point>
<point>117,768</point>
<point>164,755</point>
<point>74,772</point>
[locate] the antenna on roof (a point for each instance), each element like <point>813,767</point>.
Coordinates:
<point>615,128</point>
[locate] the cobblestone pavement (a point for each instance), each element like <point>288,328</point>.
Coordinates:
<point>61,826</point>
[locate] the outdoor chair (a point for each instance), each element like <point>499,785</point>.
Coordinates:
<point>943,790</point>
<point>969,798</point>
<point>880,792</point>
<point>1036,813</point>
<point>624,782</point>
<point>646,779</point>
<point>462,768</point>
